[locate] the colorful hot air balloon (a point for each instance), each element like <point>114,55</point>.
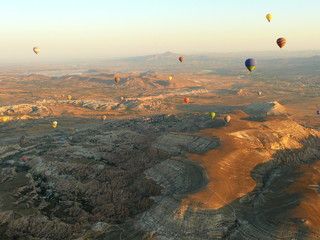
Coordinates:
<point>69,97</point>
<point>281,42</point>
<point>170,78</point>
<point>36,50</point>
<point>117,79</point>
<point>250,64</point>
<point>181,59</point>
<point>227,119</point>
<point>212,115</point>
<point>269,17</point>
<point>186,100</point>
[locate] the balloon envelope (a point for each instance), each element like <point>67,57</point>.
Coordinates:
<point>281,42</point>
<point>186,100</point>
<point>4,119</point>
<point>227,119</point>
<point>212,115</point>
<point>250,64</point>
<point>69,97</point>
<point>25,159</point>
<point>181,59</point>
<point>36,50</point>
<point>269,17</point>
<point>104,117</point>
<point>170,78</point>
<point>117,79</point>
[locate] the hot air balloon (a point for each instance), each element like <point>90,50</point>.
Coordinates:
<point>259,93</point>
<point>212,115</point>
<point>4,119</point>
<point>117,79</point>
<point>250,64</point>
<point>69,97</point>
<point>281,42</point>
<point>186,100</point>
<point>269,17</point>
<point>181,59</point>
<point>170,78</point>
<point>104,117</point>
<point>121,98</point>
<point>24,159</point>
<point>227,119</point>
<point>54,124</point>
<point>36,50</point>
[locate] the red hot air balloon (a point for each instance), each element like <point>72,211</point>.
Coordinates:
<point>281,42</point>
<point>25,159</point>
<point>186,100</point>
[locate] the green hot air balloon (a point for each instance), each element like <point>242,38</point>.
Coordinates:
<point>212,115</point>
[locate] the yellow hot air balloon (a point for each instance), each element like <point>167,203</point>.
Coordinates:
<point>170,78</point>
<point>104,117</point>
<point>36,50</point>
<point>69,97</point>
<point>54,124</point>
<point>212,114</point>
<point>269,17</point>
<point>121,98</point>
<point>4,119</point>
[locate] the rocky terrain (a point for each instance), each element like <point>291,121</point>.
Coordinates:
<point>61,185</point>
<point>251,193</point>
<point>158,168</point>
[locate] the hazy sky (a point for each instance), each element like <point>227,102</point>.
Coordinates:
<point>105,29</point>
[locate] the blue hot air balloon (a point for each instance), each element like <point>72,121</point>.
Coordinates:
<point>251,64</point>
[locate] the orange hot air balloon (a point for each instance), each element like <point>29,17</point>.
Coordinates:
<point>121,98</point>
<point>104,117</point>
<point>181,59</point>
<point>186,100</point>
<point>281,42</point>
<point>117,79</point>
<point>69,97</point>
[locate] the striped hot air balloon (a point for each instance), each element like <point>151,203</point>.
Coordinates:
<point>281,42</point>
